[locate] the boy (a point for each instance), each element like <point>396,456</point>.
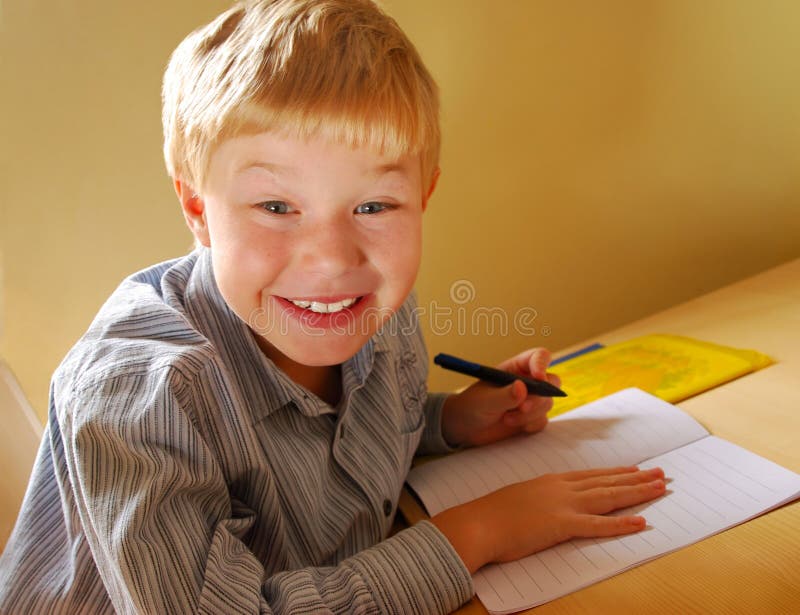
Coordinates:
<point>232,433</point>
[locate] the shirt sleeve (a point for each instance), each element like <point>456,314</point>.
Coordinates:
<point>432,441</point>
<point>166,536</point>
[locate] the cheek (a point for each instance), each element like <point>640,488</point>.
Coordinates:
<point>251,256</point>
<point>264,258</point>
<point>410,240</point>
<point>401,250</point>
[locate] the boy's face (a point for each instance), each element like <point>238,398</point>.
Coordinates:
<point>334,229</point>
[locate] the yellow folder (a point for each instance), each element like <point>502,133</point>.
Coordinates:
<point>668,366</point>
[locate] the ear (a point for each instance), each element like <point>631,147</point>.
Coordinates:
<point>434,180</point>
<point>194,212</point>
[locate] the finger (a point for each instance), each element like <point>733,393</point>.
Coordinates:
<point>538,362</point>
<point>534,406</point>
<point>553,379</point>
<point>525,423</point>
<point>499,398</point>
<point>531,410</point>
<point>591,526</point>
<point>521,364</point>
<point>618,480</point>
<point>536,424</point>
<point>517,392</point>
<point>602,500</point>
<point>583,474</point>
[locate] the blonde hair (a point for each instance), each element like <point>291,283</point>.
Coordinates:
<point>341,69</point>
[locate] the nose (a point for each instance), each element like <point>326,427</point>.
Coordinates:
<point>331,248</point>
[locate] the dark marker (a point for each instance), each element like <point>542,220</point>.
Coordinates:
<point>496,376</point>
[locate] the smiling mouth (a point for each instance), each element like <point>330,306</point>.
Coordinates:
<point>320,307</point>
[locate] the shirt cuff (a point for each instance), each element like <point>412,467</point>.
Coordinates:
<point>432,441</point>
<point>415,569</point>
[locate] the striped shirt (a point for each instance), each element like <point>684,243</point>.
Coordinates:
<point>181,471</point>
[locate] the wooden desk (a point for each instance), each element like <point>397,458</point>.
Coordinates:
<point>754,567</point>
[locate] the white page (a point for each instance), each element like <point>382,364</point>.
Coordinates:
<point>622,429</point>
<point>714,485</point>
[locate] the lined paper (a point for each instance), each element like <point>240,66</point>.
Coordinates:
<point>714,485</point>
<point>621,429</point>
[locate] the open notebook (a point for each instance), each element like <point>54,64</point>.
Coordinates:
<point>714,485</point>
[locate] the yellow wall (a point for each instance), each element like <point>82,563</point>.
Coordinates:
<point>602,160</point>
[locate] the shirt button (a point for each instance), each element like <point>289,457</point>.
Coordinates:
<point>387,507</point>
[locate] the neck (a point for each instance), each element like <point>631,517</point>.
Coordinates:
<point>325,381</point>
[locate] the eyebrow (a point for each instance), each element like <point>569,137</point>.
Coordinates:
<point>389,169</point>
<point>385,169</point>
<point>271,167</point>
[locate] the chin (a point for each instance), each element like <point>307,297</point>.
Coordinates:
<point>319,353</point>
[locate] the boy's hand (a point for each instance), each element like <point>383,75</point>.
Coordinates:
<point>484,413</point>
<point>530,516</point>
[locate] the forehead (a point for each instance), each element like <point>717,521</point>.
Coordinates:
<point>284,155</point>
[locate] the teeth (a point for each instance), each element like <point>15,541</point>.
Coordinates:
<point>325,308</point>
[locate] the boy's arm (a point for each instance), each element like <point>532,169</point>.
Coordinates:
<point>166,537</point>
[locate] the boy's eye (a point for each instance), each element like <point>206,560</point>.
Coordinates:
<point>275,207</point>
<point>373,207</point>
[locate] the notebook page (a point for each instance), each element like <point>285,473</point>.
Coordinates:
<point>622,429</point>
<point>714,485</point>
